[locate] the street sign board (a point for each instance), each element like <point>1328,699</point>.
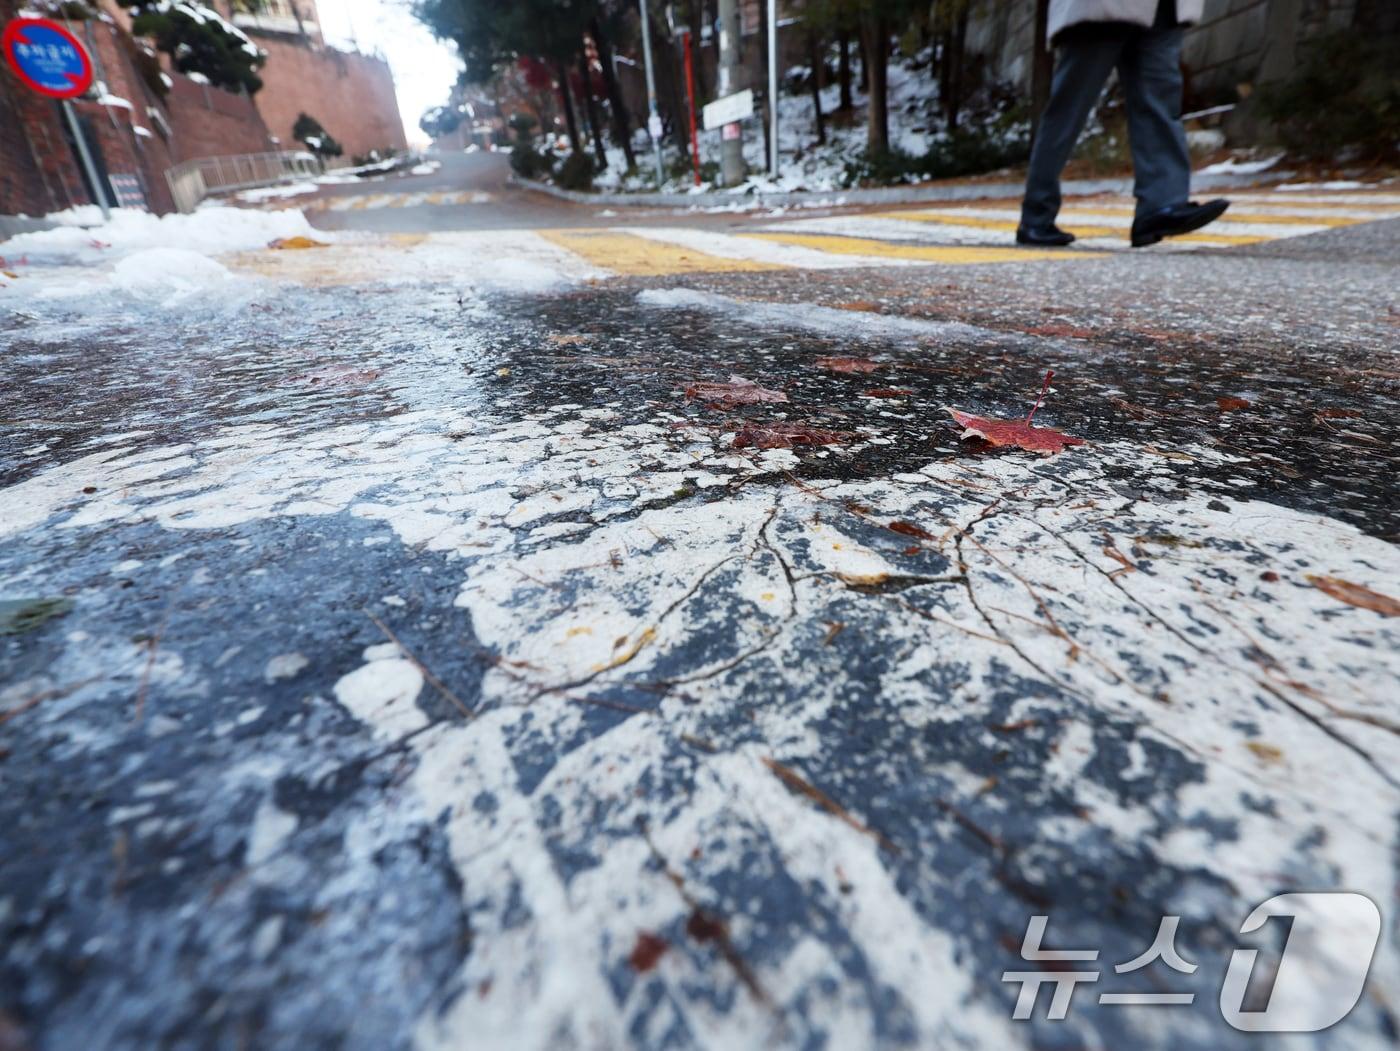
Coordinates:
<point>47,57</point>
<point>128,190</point>
<point>729,109</point>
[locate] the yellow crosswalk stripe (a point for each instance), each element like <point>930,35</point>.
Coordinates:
<point>436,198</point>
<point>1083,232</point>
<point>1389,202</point>
<point>1230,216</point>
<point>982,223</point>
<point>956,254</point>
<point>633,256</point>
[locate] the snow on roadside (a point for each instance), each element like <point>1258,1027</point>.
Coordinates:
<point>271,193</point>
<point>209,231</point>
<point>1236,166</point>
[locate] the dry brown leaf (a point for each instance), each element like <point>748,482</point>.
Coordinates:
<point>847,364</point>
<point>1357,595</point>
<point>297,242</point>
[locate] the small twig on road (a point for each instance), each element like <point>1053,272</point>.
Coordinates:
<point>705,926</point>
<point>45,695</point>
<point>423,668</point>
<point>152,645</point>
<point>799,784</point>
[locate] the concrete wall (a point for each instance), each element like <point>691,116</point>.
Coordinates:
<point>1224,54</point>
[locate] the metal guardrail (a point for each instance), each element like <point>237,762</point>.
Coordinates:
<point>195,180</point>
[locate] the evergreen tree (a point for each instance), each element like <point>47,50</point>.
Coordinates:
<point>199,40</point>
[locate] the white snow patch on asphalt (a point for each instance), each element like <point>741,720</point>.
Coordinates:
<point>271,827</point>
<point>212,230</point>
<point>813,318</point>
<point>284,666</point>
<point>1192,648</point>
<point>381,693</point>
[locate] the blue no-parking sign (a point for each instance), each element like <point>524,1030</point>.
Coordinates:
<point>47,57</point>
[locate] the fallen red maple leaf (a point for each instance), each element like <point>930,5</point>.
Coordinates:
<point>784,436</point>
<point>738,391</point>
<point>1044,440</point>
<point>1232,404</point>
<point>847,364</point>
<point>909,529</point>
<point>648,950</point>
<point>1060,330</point>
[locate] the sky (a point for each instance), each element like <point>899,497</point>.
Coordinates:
<point>424,68</point>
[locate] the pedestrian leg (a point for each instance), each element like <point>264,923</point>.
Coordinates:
<point>1082,67</point>
<point>1150,69</point>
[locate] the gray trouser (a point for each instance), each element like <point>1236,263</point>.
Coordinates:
<point>1149,68</point>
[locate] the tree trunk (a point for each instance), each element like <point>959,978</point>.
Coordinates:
<point>1042,65</point>
<point>566,99</point>
<point>764,111</point>
<point>844,72</point>
<point>1377,18</point>
<point>875,36</point>
<point>864,82</point>
<point>670,87</point>
<point>622,126</point>
<point>697,25</point>
<point>954,54</point>
<point>814,53</point>
<point>590,109</point>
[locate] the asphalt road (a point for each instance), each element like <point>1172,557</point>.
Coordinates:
<point>398,650</point>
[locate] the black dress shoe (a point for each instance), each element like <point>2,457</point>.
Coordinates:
<point>1043,236</point>
<point>1175,220</point>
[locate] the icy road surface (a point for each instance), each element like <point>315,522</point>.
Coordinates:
<point>402,661</point>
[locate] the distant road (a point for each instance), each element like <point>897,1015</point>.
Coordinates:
<point>470,191</point>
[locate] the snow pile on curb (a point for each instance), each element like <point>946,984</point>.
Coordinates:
<point>209,231</point>
<point>271,193</point>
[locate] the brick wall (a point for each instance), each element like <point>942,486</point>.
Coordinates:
<point>41,172</point>
<point>23,189</point>
<point>208,122</point>
<point>352,95</point>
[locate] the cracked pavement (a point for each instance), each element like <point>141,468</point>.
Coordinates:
<point>422,668</point>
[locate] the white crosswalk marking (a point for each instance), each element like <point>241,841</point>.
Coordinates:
<point>951,234</point>
<point>376,201</point>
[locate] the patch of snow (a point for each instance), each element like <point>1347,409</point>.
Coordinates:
<point>1240,167</point>
<point>211,230</point>
<point>1337,184</point>
<point>284,666</point>
<point>270,193</point>
<point>426,168</point>
<point>114,100</point>
<point>828,320</point>
<point>168,276</point>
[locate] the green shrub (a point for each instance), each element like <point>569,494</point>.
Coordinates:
<point>576,173</point>
<point>961,153</point>
<point>530,163</point>
<point>1345,95</point>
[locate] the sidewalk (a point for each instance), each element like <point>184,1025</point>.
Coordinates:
<point>945,190</point>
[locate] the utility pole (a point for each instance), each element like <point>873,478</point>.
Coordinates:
<point>731,151</point>
<point>99,192</point>
<point>653,116</point>
<point>773,86</point>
